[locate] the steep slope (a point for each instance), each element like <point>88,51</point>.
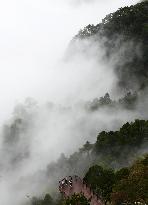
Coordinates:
<point>125,36</point>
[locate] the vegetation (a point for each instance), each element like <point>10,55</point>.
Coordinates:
<point>76,199</point>
<point>124,33</point>
<point>128,102</point>
<point>107,163</point>
<point>101,181</point>
<point>111,149</point>
<point>129,138</point>
<point>47,200</point>
<point>127,185</point>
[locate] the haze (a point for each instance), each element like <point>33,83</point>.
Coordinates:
<point>33,37</point>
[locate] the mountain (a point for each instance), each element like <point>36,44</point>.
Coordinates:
<point>107,165</point>
<point>125,35</point>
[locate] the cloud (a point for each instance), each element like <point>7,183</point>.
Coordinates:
<point>33,37</point>
<point>97,2</point>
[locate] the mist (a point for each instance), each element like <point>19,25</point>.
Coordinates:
<point>34,36</point>
<point>44,83</point>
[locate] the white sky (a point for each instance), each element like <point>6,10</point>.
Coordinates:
<point>33,36</point>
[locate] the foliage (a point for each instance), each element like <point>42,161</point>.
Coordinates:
<point>125,33</point>
<point>128,21</point>
<point>128,101</point>
<point>46,201</point>
<point>87,147</point>
<point>98,103</point>
<point>127,185</point>
<point>76,199</point>
<point>133,187</point>
<point>101,181</point>
<point>129,138</point>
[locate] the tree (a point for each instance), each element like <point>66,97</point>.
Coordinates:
<point>47,200</point>
<point>76,199</point>
<point>101,181</point>
<point>124,30</point>
<point>87,147</point>
<point>129,138</point>
<point>121,174</point>
<point>133,187</point>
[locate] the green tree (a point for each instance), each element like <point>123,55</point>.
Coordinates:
<point>46,201</point>
<point>121,174</point>
<point>120,29</point>
<point>87,147</point>
<point>133,187</point>
<point>101,181</point>
<point>76,199</point>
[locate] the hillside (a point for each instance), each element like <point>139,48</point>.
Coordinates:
<point>104,166</point>
<point>115,166</point>
<point>125,35</point>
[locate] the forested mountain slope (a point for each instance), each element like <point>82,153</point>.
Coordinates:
<point>106,164</point>
<point>114,184</point>
<point>125,35</point>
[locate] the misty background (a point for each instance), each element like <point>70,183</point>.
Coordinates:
<point>44,83</point>
<point>34,36</point>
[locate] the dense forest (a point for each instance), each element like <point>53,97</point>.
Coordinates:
<point>115,166</point>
